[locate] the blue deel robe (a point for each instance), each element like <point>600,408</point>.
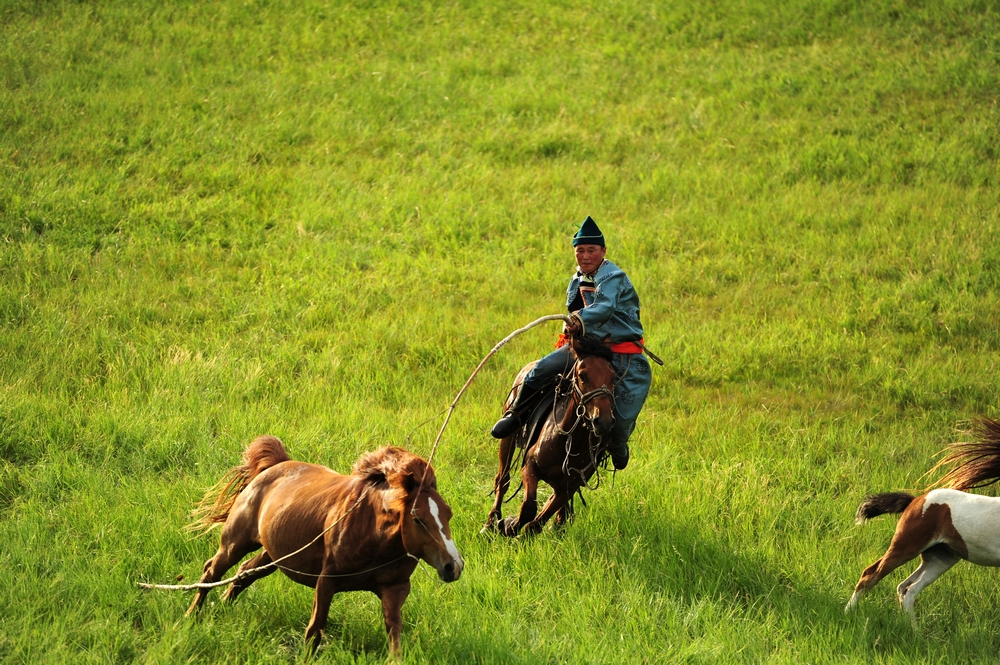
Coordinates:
<point>611,307</point>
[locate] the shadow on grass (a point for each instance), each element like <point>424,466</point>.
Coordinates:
<point>692,580</point>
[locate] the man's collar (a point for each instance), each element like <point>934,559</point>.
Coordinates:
<point>581,274</point>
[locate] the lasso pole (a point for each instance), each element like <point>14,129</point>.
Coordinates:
<point>500,344</point>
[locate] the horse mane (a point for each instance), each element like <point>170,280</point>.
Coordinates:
<point>591,345</point>
<point>397,467</point>
<point>213,509</point>
<point>975,463</point>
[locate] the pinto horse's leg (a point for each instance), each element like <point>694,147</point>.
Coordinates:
<point>500,484</point>
<point>906,545</point>
<point>934,562</point>
<point>392,604</point>
<point>258,561</point>
<point>229,553</point>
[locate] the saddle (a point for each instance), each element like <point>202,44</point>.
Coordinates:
<point>538,407</point>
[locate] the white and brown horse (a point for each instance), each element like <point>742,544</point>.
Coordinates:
<point>372,527</point>
<point>942,526</point>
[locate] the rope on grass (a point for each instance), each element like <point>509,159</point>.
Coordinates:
<point>500,344</point>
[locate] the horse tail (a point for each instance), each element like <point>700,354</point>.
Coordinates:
<point>262,453</point>
<point>975,463</point>
<point>880,504</point>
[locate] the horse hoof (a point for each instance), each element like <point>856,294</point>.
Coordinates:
<point>531,529</point>
<point>509,527</point>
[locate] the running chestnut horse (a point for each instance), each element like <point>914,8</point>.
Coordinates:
<point>563,449</point>
<point>943,525</point>
<point>363,532</point>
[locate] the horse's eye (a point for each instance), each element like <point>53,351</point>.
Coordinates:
<point>584,377</point>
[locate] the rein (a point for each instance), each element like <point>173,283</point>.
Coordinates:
<point>581,415</point>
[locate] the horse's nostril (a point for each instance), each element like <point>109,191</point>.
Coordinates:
<point>449,568</point>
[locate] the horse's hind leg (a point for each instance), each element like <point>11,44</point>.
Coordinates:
<point>906,544</point>
<point>234,546</point>
<point>500,484</point>
<point>934,562</point>
<point>259,561</point>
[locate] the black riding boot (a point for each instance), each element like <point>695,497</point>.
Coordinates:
<point>511,420</point>
<point>619,455</point>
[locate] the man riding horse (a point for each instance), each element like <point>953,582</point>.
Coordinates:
<point>602,301</point>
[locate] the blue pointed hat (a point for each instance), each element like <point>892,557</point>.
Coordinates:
<point>589,234</point>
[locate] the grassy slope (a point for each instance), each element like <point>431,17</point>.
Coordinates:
<point>313,220</point>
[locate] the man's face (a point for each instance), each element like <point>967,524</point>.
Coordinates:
<point>589,257</point>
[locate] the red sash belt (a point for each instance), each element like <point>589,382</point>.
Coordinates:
<point>618,347</point>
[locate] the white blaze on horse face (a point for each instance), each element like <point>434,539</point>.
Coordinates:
<point>448,543</point>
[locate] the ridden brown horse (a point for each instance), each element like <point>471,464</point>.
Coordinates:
<point>363,532</point>
<point>942,526</point>
<point>568,446</point>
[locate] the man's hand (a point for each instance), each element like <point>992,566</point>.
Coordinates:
<point>573,327</point>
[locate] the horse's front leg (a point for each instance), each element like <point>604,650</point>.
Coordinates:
<point>556,503</point>
<point>500,484</point>
<point>393,598</point>
<point>325,588</point>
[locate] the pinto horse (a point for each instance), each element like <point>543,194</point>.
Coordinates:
<point>363,532</point>
<point>566,448</point>
<point>942,526</point>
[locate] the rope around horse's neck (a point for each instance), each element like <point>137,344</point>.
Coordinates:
<point>500,344</point>
<point>242,575</point>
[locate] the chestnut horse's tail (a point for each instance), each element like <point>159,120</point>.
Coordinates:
<point>880,504</point>
<point>262,453</point>
<point>975,463</point>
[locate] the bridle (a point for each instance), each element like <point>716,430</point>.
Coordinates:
<point>582,398</point>
<point>581,403</point>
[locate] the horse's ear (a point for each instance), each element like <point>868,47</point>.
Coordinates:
<point>410,483</point>
<point>606,341</point>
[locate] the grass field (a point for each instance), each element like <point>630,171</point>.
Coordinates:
<point>314,219</point>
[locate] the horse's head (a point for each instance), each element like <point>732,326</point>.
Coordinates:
<point>594,380</point>
<point>424,515</point>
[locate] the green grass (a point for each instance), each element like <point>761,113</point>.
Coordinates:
<point>314,219</point>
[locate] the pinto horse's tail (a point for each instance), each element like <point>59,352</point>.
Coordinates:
<point>262,453</point>
<point>880,504</point>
